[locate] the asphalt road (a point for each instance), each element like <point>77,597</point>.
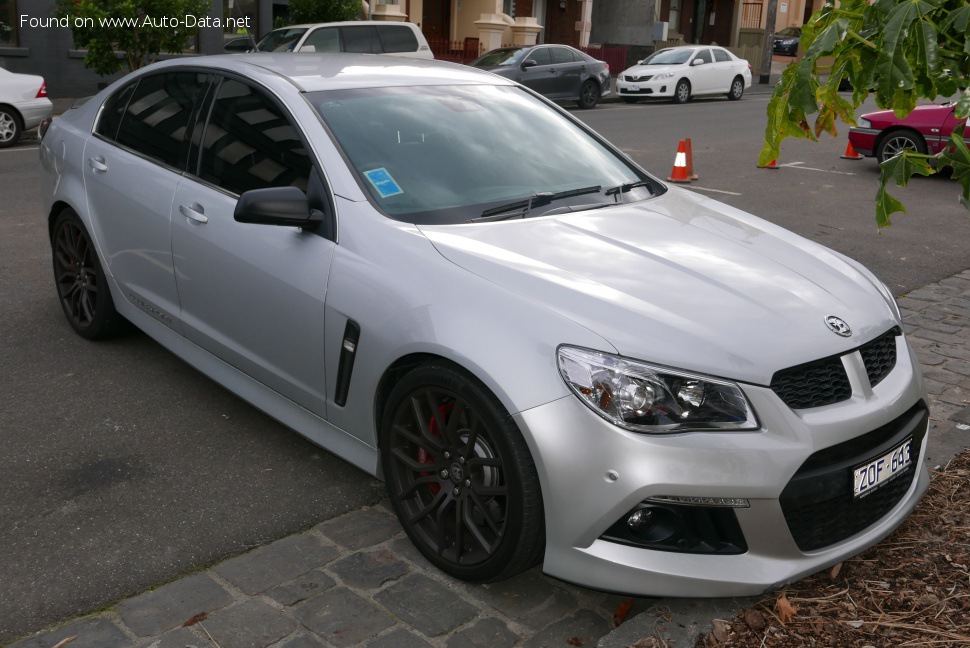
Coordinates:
<point>122,467</point>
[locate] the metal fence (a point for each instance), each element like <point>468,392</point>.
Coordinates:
<point>615,57</point>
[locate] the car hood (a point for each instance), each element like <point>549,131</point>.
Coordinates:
<point>679,280</point>
<point>653,70</point>
<point>928,113</point>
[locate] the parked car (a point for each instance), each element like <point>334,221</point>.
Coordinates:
<point>364,37</point>
<point>786,41</point>
<point>239,44</point>
<point>926,129</point>
<point>546,353</point>
<point>684,72</point>
<point>558,72</point>
<point>23,105</point>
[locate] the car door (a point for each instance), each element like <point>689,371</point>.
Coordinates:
<point>541,77</point>
<point>570,71</point>
<point>253,295</point>
<point>940,135</point>
<point>703,74</point>
<point>725,69</point>
<point>132,166</point>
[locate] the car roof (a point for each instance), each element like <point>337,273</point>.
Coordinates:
<point>328,71</point>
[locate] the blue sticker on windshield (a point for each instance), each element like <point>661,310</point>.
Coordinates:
<point>383,182</point>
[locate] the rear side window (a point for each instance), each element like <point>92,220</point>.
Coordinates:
<point>326,39</point>
<point>157,117</point>
<point>362,40</point>
<point>397,39</point>
<point>721,56</point>
<point>562,55</point>
<point>250,144</point>
<point>113,110</point>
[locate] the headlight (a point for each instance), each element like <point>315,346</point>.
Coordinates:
<point>646,398</point>
<point>663,75</point>
<point>864,123</point>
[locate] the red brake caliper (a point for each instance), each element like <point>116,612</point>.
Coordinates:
<point>423,455</point>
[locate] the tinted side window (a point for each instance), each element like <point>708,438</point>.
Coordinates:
<point>562,55</point>
<point>113,109</point>
<point>250,144</point>
<point>721,56</point>
<point>157,116</point>
<point>541,56</point>
<point>326,39</point>
<point>397,39</point>
<point>704,55</point>
<point>362,40</point>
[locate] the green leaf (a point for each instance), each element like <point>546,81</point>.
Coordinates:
<point>963,105</point>
<point>886,205</point>
<point>957,156</point>
<point>900,168</point>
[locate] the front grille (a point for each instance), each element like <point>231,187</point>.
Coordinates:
<point>813,384</point>
<point>879,356</point>
<point>818,502</point>
<point>824,382</point>
<point>638,78</point>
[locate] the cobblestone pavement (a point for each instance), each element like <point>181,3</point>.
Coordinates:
<point>357,580</point>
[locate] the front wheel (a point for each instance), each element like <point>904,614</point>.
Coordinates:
<point>460,477</point>
<point>589,95</point>
<point>682,91</point>
<point>737,89</point>
<point>894,143</point>
<point>10,129</point>
<point>81,284</point>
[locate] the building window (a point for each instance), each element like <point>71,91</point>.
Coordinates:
<point>8,23</point>
<point>508,8</point>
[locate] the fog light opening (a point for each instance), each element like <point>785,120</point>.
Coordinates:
<point>641,521</point>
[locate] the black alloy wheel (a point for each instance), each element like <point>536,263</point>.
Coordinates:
<point>460,477</point>
<point>81,284</point>
<point>589,94</point>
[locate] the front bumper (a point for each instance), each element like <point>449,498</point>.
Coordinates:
<point>593,473</point>
<point>651,88</point>
<point>863,140</point>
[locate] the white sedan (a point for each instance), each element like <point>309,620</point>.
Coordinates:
<point>680,73</point>
<point>23,105</point>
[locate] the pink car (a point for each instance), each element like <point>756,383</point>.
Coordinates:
<point>882,135</point>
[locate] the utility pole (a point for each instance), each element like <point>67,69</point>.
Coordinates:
<point>769,38</point>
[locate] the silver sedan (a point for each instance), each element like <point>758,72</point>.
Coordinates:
<point>547,354</point>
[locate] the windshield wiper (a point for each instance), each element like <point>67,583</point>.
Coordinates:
<point>535,200</point>
<point>623,188</point>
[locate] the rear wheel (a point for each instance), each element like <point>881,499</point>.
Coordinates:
<point>81,284</point>
<point>682,91</point>
<point>737,89</point>
<point>460,477</point>
<point>897,141</point>
<point>10,129</point>
<point>589,94</point>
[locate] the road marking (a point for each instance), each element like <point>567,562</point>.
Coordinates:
<point>14,150</point>
<point>720,191</point>
<point>798,165</point>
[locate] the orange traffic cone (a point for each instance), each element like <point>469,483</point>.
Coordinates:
<point>771,165</point>
<point>850,153</point>
<point>679,174</point>
<point>690,161</point>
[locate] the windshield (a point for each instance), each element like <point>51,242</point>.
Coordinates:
<point>280,40</point>
<point>669,57</point>
<point>789,31</point>
<point>446,154</point>
<point>499,57</point>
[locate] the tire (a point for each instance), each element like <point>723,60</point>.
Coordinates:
<point>630,100</point>
<point>589,95</point>
<point>81,285</point>
<point>682,92</point>
<point>895,141</point>
<point>460,477</point>
<point>737,89</point>
<point>10,128</point>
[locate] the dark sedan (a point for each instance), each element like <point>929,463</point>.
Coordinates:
<point>557,72</point>
<point>786,41</point>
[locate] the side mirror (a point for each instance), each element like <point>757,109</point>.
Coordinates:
<point>528,63</point>
<point>640,62</point>
<point>697,61</point>
<point>285,206</point>
<point>308,48</point>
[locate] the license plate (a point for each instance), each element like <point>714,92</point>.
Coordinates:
<point>877,472</point>
<point>634,88</point>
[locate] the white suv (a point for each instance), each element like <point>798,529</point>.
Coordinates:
<point>366,37</point>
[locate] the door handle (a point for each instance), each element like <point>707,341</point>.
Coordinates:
<point>97,163</point>
<point>194,213</point>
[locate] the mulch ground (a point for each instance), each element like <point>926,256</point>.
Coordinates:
<point>912,589</point>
